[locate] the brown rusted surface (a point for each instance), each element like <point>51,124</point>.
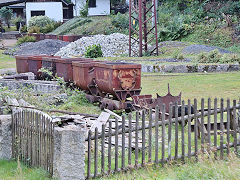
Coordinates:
<point>118,79</point>
<point>142,100</point>
<point>84,73</point>
<point>35,63</point>
<point>48,36</point>
<point>92,98</point>
<point>42,37</point>
<point>22,63</point>
<point>50,64</point>
<point>146,101</point>
<point>111,104</point>
<point>64,67</point>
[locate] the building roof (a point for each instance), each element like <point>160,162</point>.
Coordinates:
<point>10,2</point>
<point>21,2</point>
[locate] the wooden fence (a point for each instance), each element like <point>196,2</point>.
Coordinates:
<point>32,142</point>
<point>145,138</point>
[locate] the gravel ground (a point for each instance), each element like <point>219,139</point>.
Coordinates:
<point>196,49</point>
<point>112,45</point>
<point>47,46</point>
<point>172,44</point>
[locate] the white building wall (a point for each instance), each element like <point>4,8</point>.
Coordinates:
<point>53,10</point>
<point>78,5</point>
<point>102,7</point>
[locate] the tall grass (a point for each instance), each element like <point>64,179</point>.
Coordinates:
<point>205,168</point>
<point>12,170</point>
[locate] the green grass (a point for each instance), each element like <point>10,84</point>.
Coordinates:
<point>235,48</point>
<point>204,169</point>
<point>6,61</point>
<point>11,170</point>
<point>87,26</point>
<point>220,85</point>
<point>210,34</point>
<point>12,28</point>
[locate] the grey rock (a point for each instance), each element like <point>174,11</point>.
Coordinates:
<point>5,137</point>
<point>25,76</point>
<point>8,71</point>
<point>233,67</point>
<point>172,44</point>
<point>57,99</point>
<point>47,46</point>
<point>196,49</point>
<point>24,103</point>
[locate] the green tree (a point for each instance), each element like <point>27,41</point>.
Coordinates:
<point>6,15</point>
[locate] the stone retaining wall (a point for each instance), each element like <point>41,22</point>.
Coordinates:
<point>37,86</point>
<point>190,68</point>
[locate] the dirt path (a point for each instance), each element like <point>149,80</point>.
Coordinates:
<point>9,42</point>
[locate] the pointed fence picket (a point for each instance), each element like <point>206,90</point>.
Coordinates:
<point>150,137</point>
<point>32,139</point>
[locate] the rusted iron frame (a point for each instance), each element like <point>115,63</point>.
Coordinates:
<point>143,33</point>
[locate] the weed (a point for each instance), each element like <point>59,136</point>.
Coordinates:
<point>26,39</point>
<point>94,51</point>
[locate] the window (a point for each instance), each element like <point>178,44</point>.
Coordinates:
<point>37,13</point>
<point>92,3</point>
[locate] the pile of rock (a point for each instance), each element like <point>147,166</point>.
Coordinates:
<point>113,45</point>
<point>47,46</point>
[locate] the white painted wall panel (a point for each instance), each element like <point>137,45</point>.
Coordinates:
<point>102,7</point>
<point>53,10</point>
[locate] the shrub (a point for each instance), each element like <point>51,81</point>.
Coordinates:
<point>34,29</point>
<point>230,58</point>
<point>84,10</point>
<point>48,28</point>
<point>173,25</point>
<point>23,29</point>
<point>215,57</point>
<point>94,51</point>
<point>39,21</point>
<point>211,57</point>
<point>17,22</point>
<point>26,39</point>
<point>6,14</point>
<point>44,23</point>
<point>120,21</point>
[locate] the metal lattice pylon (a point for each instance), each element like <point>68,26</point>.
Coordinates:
<point>143,26</point>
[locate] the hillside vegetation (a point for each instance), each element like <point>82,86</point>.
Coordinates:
<point>213,23</point>
<point>90,26</point>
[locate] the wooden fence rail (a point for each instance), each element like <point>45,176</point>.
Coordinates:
<point>32,138</point>
<point>135,142</point>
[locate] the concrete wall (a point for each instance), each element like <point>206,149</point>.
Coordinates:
<point>102,7</point>
<point>69,153</point>
<point>53,10</point>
